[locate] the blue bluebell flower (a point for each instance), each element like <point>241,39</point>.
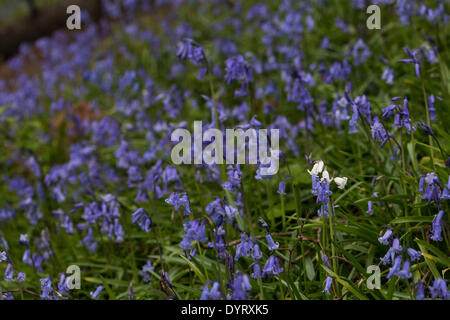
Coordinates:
<point>195,231</point>
<point>272,244</point>
<point>211,294</point>
<point>395,269</point>
<point>142,219</point>
<point>256,274</point>
<point>437,229</point>
<point>281,188</point>
<point>145,272</point>
<point>386,237</point>
<point>240,287</point>
<point>272,267</point>
<point>96,293</point>
<point>420,291</point>
<point>328,281</point>
<point>439,289</point>
<point>414,254</point>
<point>413,59</point>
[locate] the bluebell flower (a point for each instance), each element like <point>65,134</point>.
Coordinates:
<point>360,52</point>
<point>195,231</point>
<point>386,237</point>
<point>272,245</point>
<point>272,267</point>
<point>21,277</point>
<point>379,133</point>
<point>328,281</point>
<point>256,254</point>
<point>414,254</point>
<point>47,289</point>
<point>142,219</point>
<point>9,273</point>
<point>245,247</point>
<point>62,285</point>
<point>439,289</point>
<point>176,201</point>
<point>145,272</point>
<point>420,291</point>
<point>281,188</point>
<point>325,259</point>
<point>240,287</point>
<point>187,49</point>
<point>431,106</point>
<point>263,223</point>
<point>437,229</point>
<point>238,69</point>
<point>425,128</point>
<point>412,59</point>
<point>388,75</point>
<point>96,293</point>
<point>256,274</point>
<point>388,111</point>
<point>3,256</point>
<point>395,269</point>
<point>211,294</point>
<point>404,273</point>
<point>432,190</point>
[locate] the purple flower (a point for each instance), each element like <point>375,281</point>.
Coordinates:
<point>328,281</point>
<point>211,294</point>
<point>272,267</point>
<point>272,245</point>
<point>257,254</point>
<point>432,189</point>
<point>256,271</point>
<point>405,273</point>
<point>414,254</point>
<point>187,49</point>
<point>437,229</point>
<point>420,291</point>
<point>195,231</point>
<point>240,287</point>
<point>176,201</point>
<point>3,256</point>
<point>9,273</point>
<point>439,289</point>
<point>426,128</point>
<point>325,259</point>
<point>388,75</point>
<point>379,133</point>
<point>145,272</point>
<point>412,55</point>
<point>360,52</point>
<point>238,69</point>
<point>245,247</point>
<point>96,293</point>
<point>395,268</point>
<point>142,219</point>
<point>21,277</point>
<point>281,188</point>
<point>47,290</point>
<point>388,111</point>
<point>386,237</point>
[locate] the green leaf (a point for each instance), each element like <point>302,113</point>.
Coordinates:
<point>310,272</point>
<point>441,257</point>
<point>412,219</point>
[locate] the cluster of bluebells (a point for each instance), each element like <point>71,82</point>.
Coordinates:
<point>321,187</point>
<point>399,257</point>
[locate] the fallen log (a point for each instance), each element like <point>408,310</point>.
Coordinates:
<point>43,22</point>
